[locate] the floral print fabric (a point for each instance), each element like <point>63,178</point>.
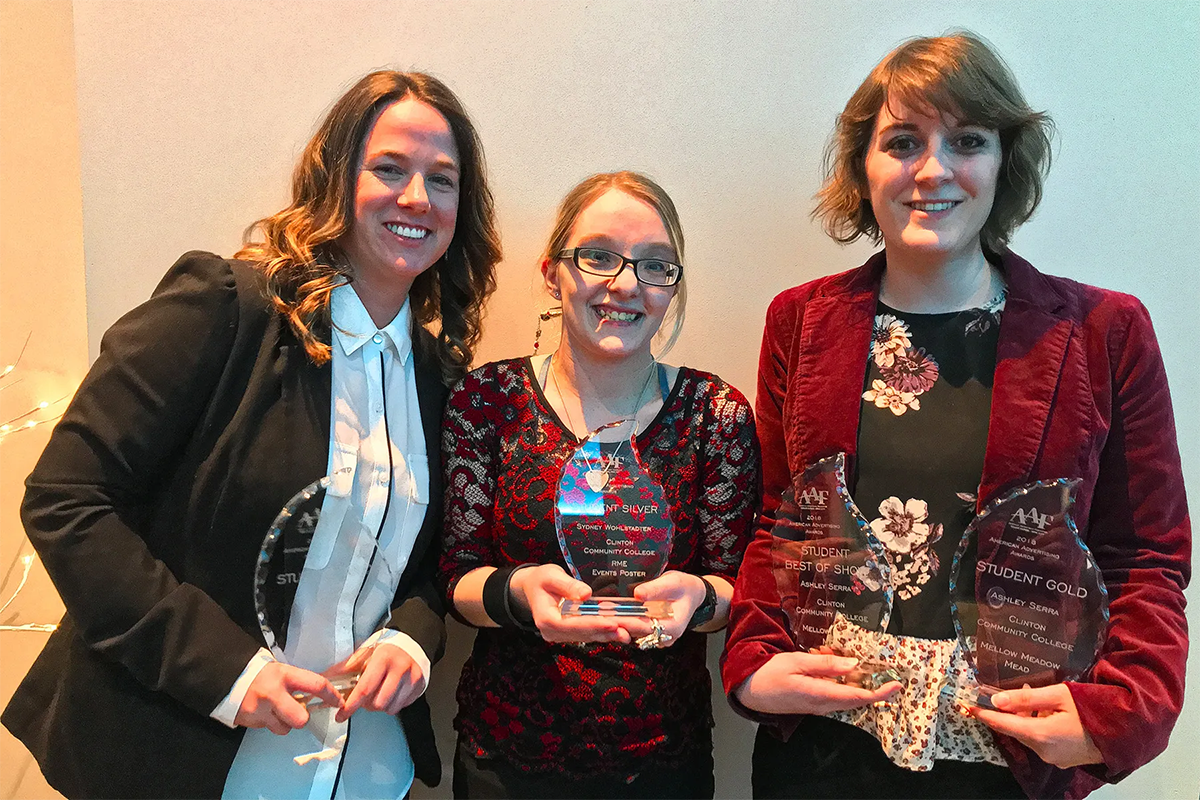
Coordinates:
<point>905,371</point>
<point>909,541</point>
<point>920,724</point>
<point>922,436</point>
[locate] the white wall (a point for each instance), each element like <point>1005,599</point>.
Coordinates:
<point>191,114</point>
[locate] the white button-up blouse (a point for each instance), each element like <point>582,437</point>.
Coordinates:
<point>374,508</point>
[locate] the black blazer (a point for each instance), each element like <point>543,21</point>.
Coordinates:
<point>201,417</point>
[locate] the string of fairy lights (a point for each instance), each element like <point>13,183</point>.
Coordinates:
<point>25,421</point>
<point>45,627</point>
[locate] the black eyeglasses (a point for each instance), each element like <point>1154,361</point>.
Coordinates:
<point>651,271</point>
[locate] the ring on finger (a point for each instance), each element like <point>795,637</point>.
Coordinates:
<point>656,638</point>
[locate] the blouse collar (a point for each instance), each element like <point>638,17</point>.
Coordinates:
<point>353,326</point>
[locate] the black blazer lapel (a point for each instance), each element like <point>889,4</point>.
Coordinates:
<point>308,402</point>
<point>431,397</point>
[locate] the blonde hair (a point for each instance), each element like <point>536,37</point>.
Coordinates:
<point>299,252</point>
<point>957,75</point>
<point>645,189</point>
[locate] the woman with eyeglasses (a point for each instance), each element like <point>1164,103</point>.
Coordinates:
<point>552,705</point>
<point>952,373</point>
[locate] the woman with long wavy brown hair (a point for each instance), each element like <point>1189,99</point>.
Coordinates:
<point>298,248</point>
<point>324,348</point>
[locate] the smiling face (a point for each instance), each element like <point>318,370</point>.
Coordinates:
<point>931,181</point>
<point>617,317</point>
<point>405,204</point>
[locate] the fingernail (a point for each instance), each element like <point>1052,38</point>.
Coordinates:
<point>999,699</point>
<point>846,662</point>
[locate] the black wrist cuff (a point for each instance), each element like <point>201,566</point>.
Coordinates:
<point>498,604</point>
<point>707,609</point>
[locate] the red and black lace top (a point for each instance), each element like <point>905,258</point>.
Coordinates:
<point>603,708</point>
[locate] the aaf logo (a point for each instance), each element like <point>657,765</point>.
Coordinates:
<point>814,498</point>
<point>996,598</point>
<point>611,463</point>
<point>1030,518</point>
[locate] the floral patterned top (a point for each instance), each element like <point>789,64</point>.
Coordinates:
<point>921,441</point>
<point>602,708</point>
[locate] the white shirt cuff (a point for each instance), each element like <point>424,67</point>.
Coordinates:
<point>409,645</point>
<point>226,711</point>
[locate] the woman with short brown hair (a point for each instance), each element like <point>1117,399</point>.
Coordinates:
<point>957,72</point>
<point>948,372</point>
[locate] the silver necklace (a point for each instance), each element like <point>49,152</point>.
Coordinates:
<point>597,476</point>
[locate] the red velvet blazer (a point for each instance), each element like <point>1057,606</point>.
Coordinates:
<point>1080,391</point>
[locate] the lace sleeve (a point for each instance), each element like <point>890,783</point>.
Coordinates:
<point>469,452</point>
<point>729,475</point>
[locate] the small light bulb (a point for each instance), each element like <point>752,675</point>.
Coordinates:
<point>31,424</point>
<point>27,560</point>
<point>5,428</point>
<point>44,404</point>
<point>9,368</point>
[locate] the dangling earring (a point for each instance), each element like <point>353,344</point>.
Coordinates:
<point>545,316</point>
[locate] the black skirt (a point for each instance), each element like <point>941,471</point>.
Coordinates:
<point>825,758</point>
<point>480,778</point>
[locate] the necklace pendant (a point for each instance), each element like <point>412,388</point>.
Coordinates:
<point>596,479</point>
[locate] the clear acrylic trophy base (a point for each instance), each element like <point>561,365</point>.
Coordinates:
<point>616,607</point>
<point>343,685</point>
<point>870,675</point>
<point>971,698</point>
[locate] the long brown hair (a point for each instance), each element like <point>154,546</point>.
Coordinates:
<point>639,186</point>
<point>299,252</point>
<point>957,75</point>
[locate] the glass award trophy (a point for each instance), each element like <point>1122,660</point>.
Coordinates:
<point>277,574</point>
<point>1028,601</point>
<point>827,565</point>
<point>614,527</point>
